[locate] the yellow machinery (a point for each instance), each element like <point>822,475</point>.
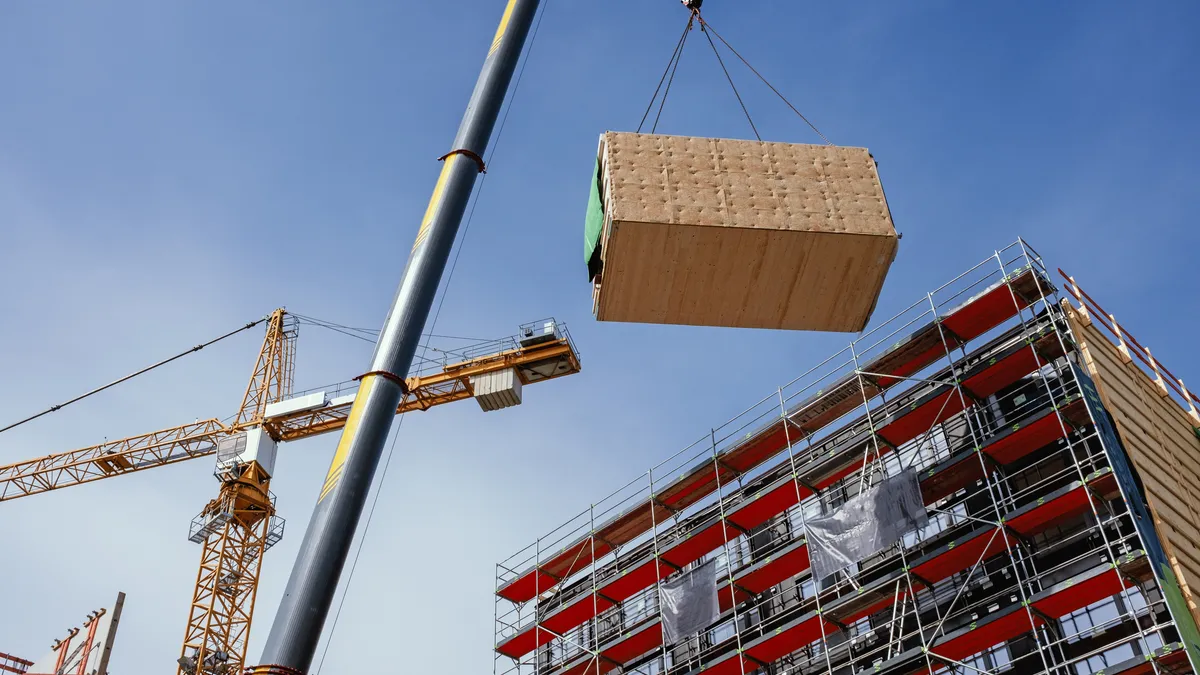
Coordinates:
<point>237,527</point>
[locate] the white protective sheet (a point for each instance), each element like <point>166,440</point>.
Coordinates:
<point>866,524</point>
<point>689,603</point>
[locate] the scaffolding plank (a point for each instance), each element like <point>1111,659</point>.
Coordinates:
<point>958,555</point>
<point>634,643</point>
<point>576,613</point>
<point>1024,437</point>
<point>625,647</point>
<point>789,637</point>
<point>867,599</point>
<point>524,642</point>
<point>912,354</point>
<point>934,408</point>
<point>1060,505</point>
<point>773,570</point>
<point>695,545</point>
<point>950,476</point>
<point>732,663</point>
<point>985,633</point>
<point>527,586</point>
<point>767,503</point>
<point>994,305</point>
<point>635,580</point>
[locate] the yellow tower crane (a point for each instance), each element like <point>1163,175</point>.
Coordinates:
<point>240,524</point>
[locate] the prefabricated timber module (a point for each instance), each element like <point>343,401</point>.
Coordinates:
<point>1040,553</point>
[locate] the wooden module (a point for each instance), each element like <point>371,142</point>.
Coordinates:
<point>1159,436</point>
<point>718,232</point>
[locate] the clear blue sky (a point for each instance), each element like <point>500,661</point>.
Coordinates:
<point>171,170</point>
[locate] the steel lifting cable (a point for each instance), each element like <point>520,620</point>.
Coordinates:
<point>437,313</point>
<point>708,26</point>
<point>672,66</point>
<point>130,376</point>
<point>668,77</point>
<point>725,70</point>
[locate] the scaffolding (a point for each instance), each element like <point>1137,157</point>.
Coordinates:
<point>1037,556</point>
<point>13,664</point>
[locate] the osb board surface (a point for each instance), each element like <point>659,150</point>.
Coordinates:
<point>734,183</point>
<point>1158,436</point>
<point>698,275</point>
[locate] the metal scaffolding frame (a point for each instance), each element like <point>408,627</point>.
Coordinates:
<point>1031,561</point>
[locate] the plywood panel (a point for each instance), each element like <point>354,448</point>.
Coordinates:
<point>1160,440</point>
<point>720,232</point>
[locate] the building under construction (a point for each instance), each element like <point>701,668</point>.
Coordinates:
<point>1056,466</point>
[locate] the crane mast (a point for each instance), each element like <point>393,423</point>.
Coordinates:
<point>238,527</point>
<point>309,594</point>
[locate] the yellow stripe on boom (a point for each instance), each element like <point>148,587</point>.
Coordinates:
<point>433,200</point>
<point>339,457</point>
<point>503,27</point>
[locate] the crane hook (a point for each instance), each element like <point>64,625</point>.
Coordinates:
<point>693,5</point>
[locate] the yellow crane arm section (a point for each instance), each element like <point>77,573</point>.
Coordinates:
<point>533,363</point>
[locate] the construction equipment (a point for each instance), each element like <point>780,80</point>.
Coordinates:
<point>309,593</point>
<point>237,527</point>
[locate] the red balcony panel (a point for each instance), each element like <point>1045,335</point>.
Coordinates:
<point>634,643</point>
<point>1024,438</point>
<point>575,613</point>
<point>759,448</point>
<point>1076,593</point>
<point>775,569</point>
<point>916,362</point>
<point>789,638</point>
<point>635,580</point>
<point>918,420</point>
<point>576,557</point>
<point>958,556</point>
<point>524,642</point>
<point>731,664</point>
<point>696,544</point>
<point>694,485</point>
<point>1062,505</point>
<point>990,309</point>
<point>763,506</point>
<point>986,633</point>
<point>1003,372</point>
<point>527,586</point>
<point>942,481</point>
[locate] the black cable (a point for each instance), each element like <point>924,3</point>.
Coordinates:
<point>325,323</point>
<point>674,56</point>
<point>812,126</point>
<point>731,84</point>
<point>670,81</point>
<point>338,330</point>
<point>147,369</point>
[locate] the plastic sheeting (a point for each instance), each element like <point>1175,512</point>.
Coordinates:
<point>866,524</point>
<point>689,603</point>
<point>593,226</point>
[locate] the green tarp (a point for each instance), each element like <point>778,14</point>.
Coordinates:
<point>593,226</point>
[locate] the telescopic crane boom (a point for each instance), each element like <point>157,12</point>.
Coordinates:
<point>310,589</point>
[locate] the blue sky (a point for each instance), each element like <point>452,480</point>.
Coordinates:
<point>169,171</point>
